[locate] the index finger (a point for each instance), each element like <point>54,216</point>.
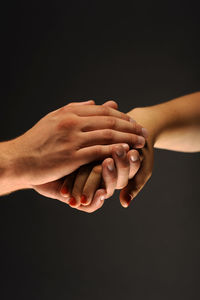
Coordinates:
<point>98,110</point>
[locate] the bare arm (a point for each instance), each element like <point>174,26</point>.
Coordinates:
<point>173,125</point>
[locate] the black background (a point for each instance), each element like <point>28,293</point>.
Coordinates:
<point>138,53</point>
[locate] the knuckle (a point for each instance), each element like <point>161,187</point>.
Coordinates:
<point>69,122</point>
<point>68,108</point>
<point>134,125</point>
<point>97,151</point>
<point>63,109</point>
<point>111,122</point>
<point>105,110</point>
<point>124,116</point>
<point>108,135</point>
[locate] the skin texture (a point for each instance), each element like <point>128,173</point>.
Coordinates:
<point>62,189</point>
<point>62,141</point>
<point>96,181</point>
<point>173,125</point>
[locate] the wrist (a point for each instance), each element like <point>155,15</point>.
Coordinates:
<point>13,167</point>
<point>147,117</point>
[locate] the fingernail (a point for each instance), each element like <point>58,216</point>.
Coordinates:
<point>72,201</point>
<point>145,133</point>
<point>134,157</point>
<point>128,199</point>
<point>83,199</point>
<point>102,198</point>
<point>140,141</point>
<point>120,152</point>
<point>126,147</point>
<point>64,191</point>
<point>110,167</point>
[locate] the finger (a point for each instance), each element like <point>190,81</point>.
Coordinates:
<point>88,102</point>
<point>73,104</point>
<point>92,184</point>
<point>109,174</point>
<point>122,165</point>
<point>98,110</point>
<point>110,136</point>
<point>105,122</point>
<point>94,153</point>
<point>137,183</point>
<point>96,203</point>
<point>111,103</point>
<point>51,190</point>
<point>135,162</point>
<point>66,187</point>
<point>79,183</point>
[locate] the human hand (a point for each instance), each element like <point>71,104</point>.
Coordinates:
<point>76,134</point>
<point>136,184</point>
<point>87,188</point>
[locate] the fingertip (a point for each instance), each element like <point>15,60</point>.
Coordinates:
<point>64,191</point>
<point>133,156</point>
<point>83,199</point>
<point>145,133</point>
<point>125,198</point>
<point>140,142</point>
<point>101,195</point>
<point>73,202</point>
<point>92,102</point>
<point>111,103</point>
<point>118,150</point>
<point>106,162</point>
<point>126,147</point>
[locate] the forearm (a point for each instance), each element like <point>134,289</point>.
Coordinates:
<point>173,125</point>
<point>11,171</point>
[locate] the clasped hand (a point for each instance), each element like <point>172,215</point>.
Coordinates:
<point>96,159</point>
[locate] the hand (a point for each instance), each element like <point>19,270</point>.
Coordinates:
<point>71,136</point>
<point>136,184</point>
<point>87,188</point>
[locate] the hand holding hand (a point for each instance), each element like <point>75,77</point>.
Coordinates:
<point>71,136</point>
<point>87,188</point>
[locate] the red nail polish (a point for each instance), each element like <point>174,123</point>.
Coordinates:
<point>64,190</point>
<point>83,199</point>
<point>128,199</point>
<point>72,201</point>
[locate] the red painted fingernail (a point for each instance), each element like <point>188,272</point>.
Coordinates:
<point>72,201</point>
<point>64,190</point>
<point>83,199</point>
<point>128,199</point>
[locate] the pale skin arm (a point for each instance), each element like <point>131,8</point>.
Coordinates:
<point>173,125</point>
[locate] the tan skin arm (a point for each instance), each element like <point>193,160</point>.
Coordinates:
<point>173,125</point>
